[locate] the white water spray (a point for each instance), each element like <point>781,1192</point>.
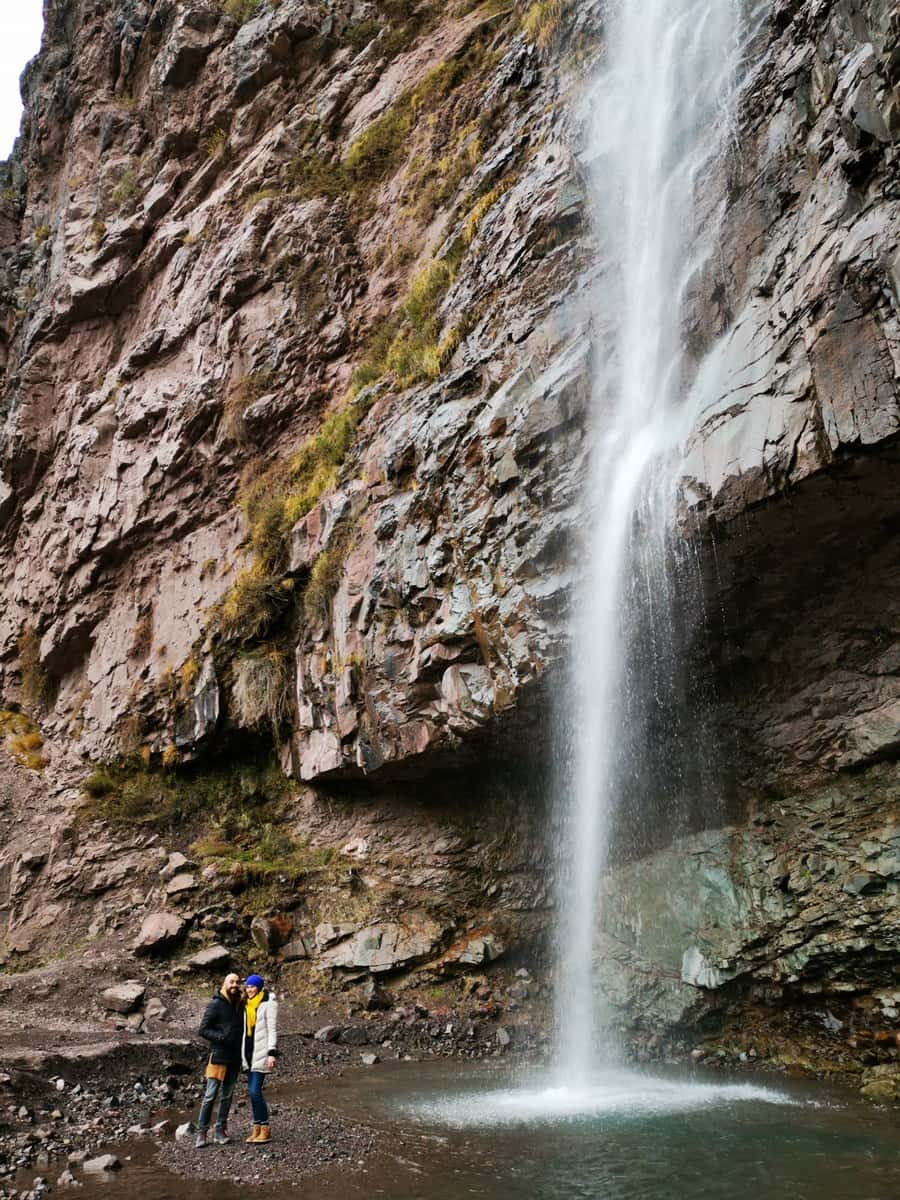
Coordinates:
<point>659,116</point>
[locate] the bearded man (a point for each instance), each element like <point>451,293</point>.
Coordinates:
<point>223,1027</point>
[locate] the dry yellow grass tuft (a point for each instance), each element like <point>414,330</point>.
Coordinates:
<point>22,739</point>
<point>542,22</point>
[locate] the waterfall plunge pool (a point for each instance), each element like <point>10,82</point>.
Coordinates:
<point>448,1132</point>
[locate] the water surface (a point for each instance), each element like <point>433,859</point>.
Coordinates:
<point>451,1132</point>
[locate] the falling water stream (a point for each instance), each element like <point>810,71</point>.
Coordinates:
<point>659,118</point>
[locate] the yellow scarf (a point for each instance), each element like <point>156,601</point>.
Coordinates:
<point>252,1006</point>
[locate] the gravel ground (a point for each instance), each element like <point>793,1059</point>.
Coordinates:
<point>304,1141</point>
<point>58,1106</point>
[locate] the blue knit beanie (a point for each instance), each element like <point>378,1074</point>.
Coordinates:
<point>253,981</point>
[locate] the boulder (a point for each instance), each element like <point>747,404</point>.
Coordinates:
<point>213,958</point>
<point>271,933</point>
<point>375,998</point>
<point>354,1035</point>
<point>387,946</point>
<point>476,949</point>
<point>328,1033</point>
<point>155,1010</point>
<point>103,1162</point>
<point>159,931</point>
<point>181,884</point>
<point>123,997</point>
<point>882,1084</point>
<point>176,864</point>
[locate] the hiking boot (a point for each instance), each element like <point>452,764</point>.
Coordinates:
<point>264,1135</point>
<point>200,1140</point>
<point>254,1134</point>
<point>221,1138</point>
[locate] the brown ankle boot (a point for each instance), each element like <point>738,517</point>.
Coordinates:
<point>264,1135</point>
<point>254,1134</point>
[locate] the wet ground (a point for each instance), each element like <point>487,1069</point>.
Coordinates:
<point>445,1131</point>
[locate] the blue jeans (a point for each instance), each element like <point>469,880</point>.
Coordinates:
<point>255,1082</point>
<point>209,1098</point>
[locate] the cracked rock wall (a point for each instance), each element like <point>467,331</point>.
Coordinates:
<point>161,253</point>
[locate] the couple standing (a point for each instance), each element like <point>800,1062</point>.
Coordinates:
<point>241,1025</point>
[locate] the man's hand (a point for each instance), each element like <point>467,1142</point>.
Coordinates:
<point>270,1063</point>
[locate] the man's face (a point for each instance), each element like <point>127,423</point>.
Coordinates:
<point>233,986</point>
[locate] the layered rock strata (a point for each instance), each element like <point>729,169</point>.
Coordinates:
<point>363,230</point>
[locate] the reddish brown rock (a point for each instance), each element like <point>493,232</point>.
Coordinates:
<point>271,933</point>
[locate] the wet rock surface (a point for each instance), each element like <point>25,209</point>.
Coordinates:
<point>796,915</point>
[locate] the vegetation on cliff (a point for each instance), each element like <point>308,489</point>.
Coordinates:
<point>412,344</point>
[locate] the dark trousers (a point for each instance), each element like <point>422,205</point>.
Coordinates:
<point>255,1082</point>
<point>213,1087</point>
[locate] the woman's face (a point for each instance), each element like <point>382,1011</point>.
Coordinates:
<point>251,989</point>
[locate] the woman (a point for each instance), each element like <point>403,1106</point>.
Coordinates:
<point>222,1026</point>
<point>260,1051</point>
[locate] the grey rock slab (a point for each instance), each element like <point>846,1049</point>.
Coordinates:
<point>155,1010</point>
<point>123,997</point>
<point>179,885</point>
<point>297,949</point>
<point>863,884</point>
<point>327,934</point>
<point>387,946</point>
<point>158,932</point>
<point>213,958</point>
<point>176,864</point>
<point>103,1162</point>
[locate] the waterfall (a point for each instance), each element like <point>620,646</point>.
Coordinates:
<point>658,121</point>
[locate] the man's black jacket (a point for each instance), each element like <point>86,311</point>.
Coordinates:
<point>223,1027</point>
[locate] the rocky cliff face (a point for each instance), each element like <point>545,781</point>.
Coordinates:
<point>227,220</point>
<point>297,344</point>
<point>295,358</point>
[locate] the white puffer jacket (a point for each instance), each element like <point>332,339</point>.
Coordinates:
<point>265,1034</point>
